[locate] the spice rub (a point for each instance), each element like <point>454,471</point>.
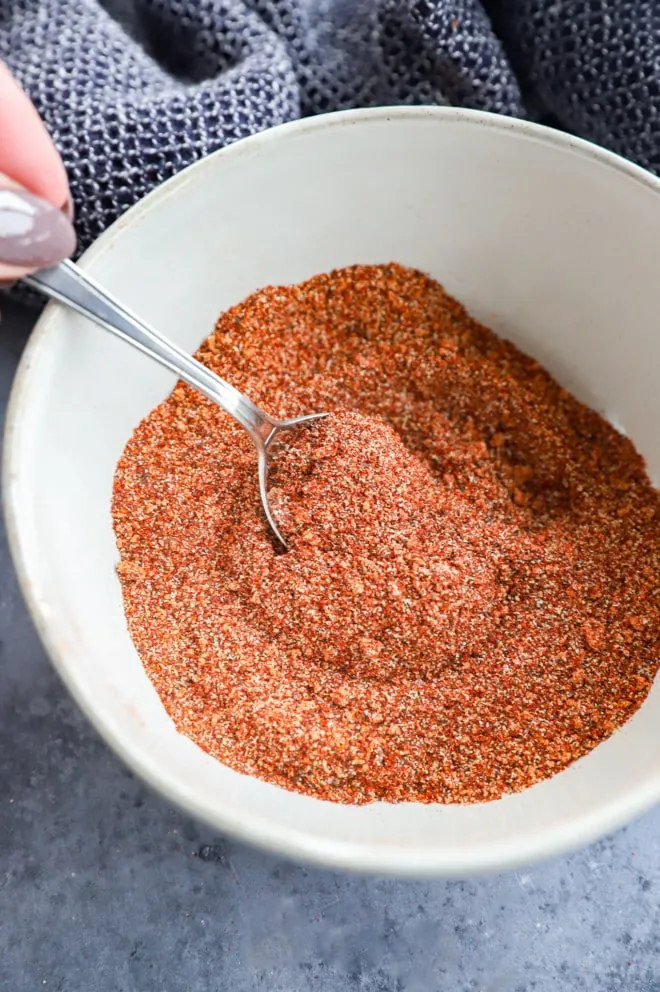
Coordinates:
<point>470,598</point>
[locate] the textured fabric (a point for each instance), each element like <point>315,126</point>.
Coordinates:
<point>134,90</point>
<point>593,64</point>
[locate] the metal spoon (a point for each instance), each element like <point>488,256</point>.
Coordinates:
<point>70,285</point>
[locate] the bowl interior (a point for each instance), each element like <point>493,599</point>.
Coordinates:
<point>550,242</point>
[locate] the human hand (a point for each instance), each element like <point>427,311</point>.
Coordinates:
<point>35,204</point>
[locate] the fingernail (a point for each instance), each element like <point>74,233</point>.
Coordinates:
<point>33,233</point>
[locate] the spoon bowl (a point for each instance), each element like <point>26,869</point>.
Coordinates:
<point>277,427</point>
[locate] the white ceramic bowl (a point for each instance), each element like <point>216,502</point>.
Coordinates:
<point>550,241</point>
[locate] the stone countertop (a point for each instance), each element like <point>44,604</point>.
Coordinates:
<point>105,888</point>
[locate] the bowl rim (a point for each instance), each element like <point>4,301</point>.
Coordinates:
<point>257,830</point>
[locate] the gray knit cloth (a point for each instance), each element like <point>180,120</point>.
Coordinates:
<point>134,90</point>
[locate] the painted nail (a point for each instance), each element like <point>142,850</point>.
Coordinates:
<point>33,233</point>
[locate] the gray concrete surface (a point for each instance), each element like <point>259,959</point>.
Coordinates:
<point>104,888</point>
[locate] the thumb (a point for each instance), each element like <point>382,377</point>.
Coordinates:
<point>27,153</point>
<point>34,233</point>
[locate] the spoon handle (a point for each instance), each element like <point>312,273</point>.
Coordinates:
<point>70,285</point>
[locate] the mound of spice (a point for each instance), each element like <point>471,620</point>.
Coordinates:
<point>470,597</point>
<point>407,582</point>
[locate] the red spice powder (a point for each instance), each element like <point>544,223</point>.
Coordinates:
<point>470,597</point>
